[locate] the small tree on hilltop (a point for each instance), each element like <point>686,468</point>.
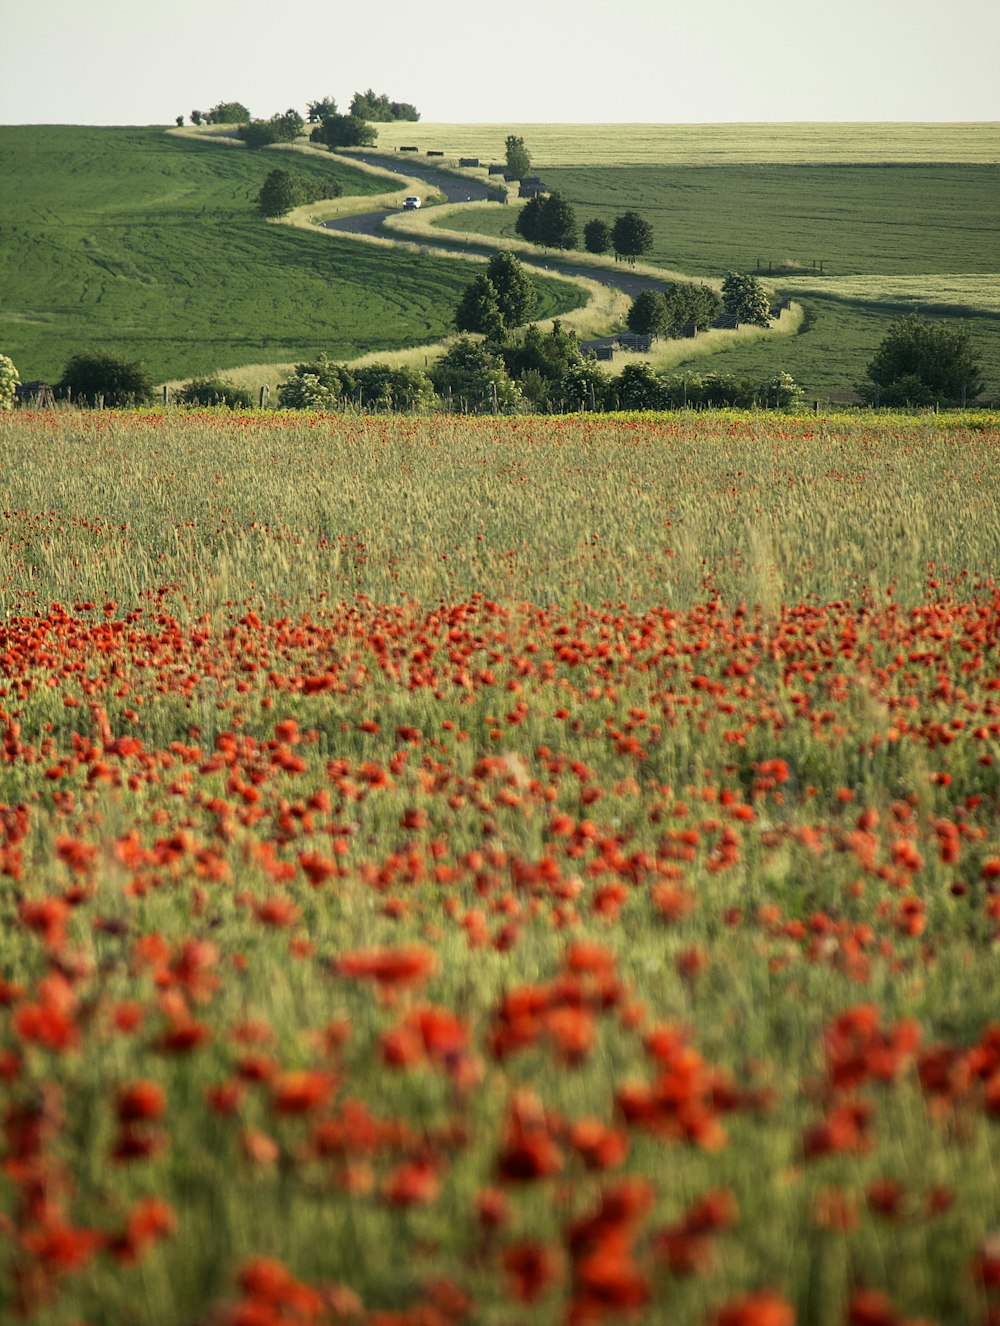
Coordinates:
<point>919,362</point>
<point>515,291</point>
<point>196,117</point>
<point>518,157</point>
<point>344,131</point>
<point>744,296</point>
<point>228,112</point>
<point>631,235</point>
<point>597,236</point>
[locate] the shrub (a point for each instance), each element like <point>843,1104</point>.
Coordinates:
<point>9,378</point>
<point>318,386</point>
<point>344,131</point>
<point>919,362</point>
<point>97,376</point>
<point>472,376</point>
<point>214,391</point>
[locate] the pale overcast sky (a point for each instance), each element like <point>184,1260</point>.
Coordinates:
<point>656,61</point>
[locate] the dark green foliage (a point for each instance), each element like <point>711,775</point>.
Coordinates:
<point>214,391</point>
<point>744,296</point>
<point>278,194</point>
<point>648,314</point>
<point>197,117</point>
<point>529,221</point>
<point>597,236</point>
<point>282,191</point>
<point>96,376</point>
<point>321,385</point>
<point>687,303</point>
<point>179,121</point>
<point>639,388</point>
<point>548,220</point>
<point>584,386</point>
<point>631,235</point>
<point>518,157</point>
<point>376,106</point>
<point>228,112</point>
<point>919,362</point>
<point>479,309</point>
<point>471,376</point>
<point>278,129</point>
<point>515,290</point>
<point>344,131</point>
<point>317,111</point>
<point>383,387</point>
<point>548,356</point>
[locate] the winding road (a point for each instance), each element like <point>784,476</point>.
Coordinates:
<point>458,190</point>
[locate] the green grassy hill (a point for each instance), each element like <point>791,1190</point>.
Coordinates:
<point>150,245</point>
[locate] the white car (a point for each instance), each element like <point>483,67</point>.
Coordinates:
<point>411,204</point>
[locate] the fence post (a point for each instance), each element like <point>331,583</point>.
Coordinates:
<point>265,395</point>
<point>166,395</point>
<point>815,407</point>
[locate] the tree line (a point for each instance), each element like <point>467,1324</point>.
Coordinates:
<point>353,129</point>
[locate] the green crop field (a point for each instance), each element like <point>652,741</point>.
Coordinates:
<point>150,245</point>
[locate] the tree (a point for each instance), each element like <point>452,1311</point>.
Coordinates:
<point>196,117</point>
<point>318,386</point>
<point>278,129</point>
<point>371,105</point>
<point>597,236</point>
<point>471,375</point>
<point>344,131</point>
<point>690,304</point>
<point>518,157</point>
<point>919,362</point>
<point>383,387</point>
<point>547,355</point>
<point>584,386</point>
<point>179,121</point>
<point>631,236</point>
<point>479,309</point>
<point>403,110</point>
<point>278,194</point>
<point>228,112</point>
<point>648,315</point>
<point>639,388</point>
<point>548,220</point>
<point>515,291</point>
<point>100,375</point>
<point>317,111</point>
<point>744,296</point>
<point>529,220</point>
<point>9,378</point>
<point>558,228</point>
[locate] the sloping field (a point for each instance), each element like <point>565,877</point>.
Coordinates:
<point>150,245</point>
<point>705,144</point>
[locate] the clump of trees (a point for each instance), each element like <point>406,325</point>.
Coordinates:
<point>96,377</point>
<point>226,112</point>
<point>668,312</point>
<point>278,129</point>
<point>282,191</point>
<point>745,297</point>
<point>376,106</point>
<point>919,362</point>
<point>344,131</point>
<point>325,385</point>
<point>9,378</point>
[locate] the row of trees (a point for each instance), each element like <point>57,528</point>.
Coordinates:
<point>370,105</point>
<point>535,372</point>
<point>668,312</point>
<point>549,220</point>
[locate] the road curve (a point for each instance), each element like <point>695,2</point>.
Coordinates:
<point>459,190</point>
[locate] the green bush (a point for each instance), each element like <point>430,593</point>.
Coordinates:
<point>96,376</point>
<point>214,391</point>
<point>9,378</point>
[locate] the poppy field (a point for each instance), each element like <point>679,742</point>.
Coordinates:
<point>513,871</point>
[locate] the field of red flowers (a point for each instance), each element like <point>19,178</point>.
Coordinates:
<point>499,871</point>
